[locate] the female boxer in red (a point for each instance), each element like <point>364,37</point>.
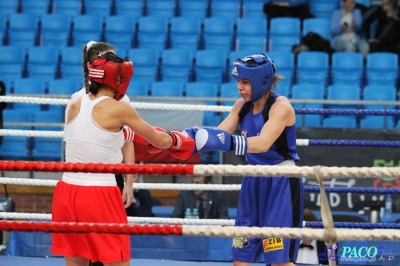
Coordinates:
<point>93,134</point>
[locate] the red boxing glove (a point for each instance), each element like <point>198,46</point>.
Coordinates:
<point>129,134</point>
<point>182,145</point>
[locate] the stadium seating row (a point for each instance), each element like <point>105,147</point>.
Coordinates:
<point>166,8</point>
<point>212,65</point>
<point>159,32</point>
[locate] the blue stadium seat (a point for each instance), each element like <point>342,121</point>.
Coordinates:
<point>228,90</point>
<point>23,29</point>
<point>9,7</point>
<point>218,33</point>
<point>239,54</point>
<point>177,65</point>
<point>146,62</point>
<point>119,30</point>
<point>211,65</point>
<point>71,63</point>
<point>226,9</point>
<point>343,92</point>
<point>161,8</point>
<point>205,89</point>
<point>347,67</point>
<point>29,86</point>
<point>382,68</point>
<point>55,30</point>
<point>167,89</point>
<point>36,7</point>
<point>101,8</point>
<point>322,8</point>
<point>138,88</point>
<point>284,32</point>
<point>308,92</point>
<point>194,9</point>
<point>67,7</point>
<point>12,61</point>
<point>63,86</point>
<point>85,28</point>
<point>378,93</point>
<point>43,62</point>
<point>15,148</point>
<point>312,67</point>
<point>45,148</point>
<point>252,9</point>
<point>152,32</point>
<point>285,65</point>
<point>19,119</point>
<point>340,121</point>
<point>185,33</point>
<point>251,33</point>
<point>133,8</point>
<point>284,89</point>
<point>321,26</point>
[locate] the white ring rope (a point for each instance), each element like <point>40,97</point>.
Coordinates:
<point>311,233</point>
<point>137,105</point>
<point>232,231</point>
<point>133,220</point>
<point>60,134</point>
<point>159,186</point>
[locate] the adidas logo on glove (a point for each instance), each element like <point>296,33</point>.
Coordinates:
<point>221,137</point>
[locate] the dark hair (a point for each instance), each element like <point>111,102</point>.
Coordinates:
<point>309,215</point>
<point>207,179</point>
<point>89,56</point>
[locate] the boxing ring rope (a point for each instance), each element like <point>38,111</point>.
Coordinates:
<point>211,187</point>
<point>299,142</point>
<point>203,169</point>
<point>329,234</point>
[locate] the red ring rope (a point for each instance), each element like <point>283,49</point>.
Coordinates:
<point>157,169</point>
<point>69,227</point>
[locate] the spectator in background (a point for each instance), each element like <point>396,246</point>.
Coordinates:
<point>285,8</point>
<point>214,203</point>
<point>386,37</point>
<point>142,202</point>
<point>346,29</point>
<point>312,251</point>
<point>3,105</point>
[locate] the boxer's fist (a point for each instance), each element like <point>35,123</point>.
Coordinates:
<point>129,134</point>
<point>182,145</point>
<point>191,131</point>
<point>214,139</point>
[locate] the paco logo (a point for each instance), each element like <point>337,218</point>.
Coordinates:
<point>240,242</point>
<point>271,244</point>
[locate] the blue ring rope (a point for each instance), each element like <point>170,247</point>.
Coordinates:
<point>354,190</point>
<point>301,111</point>
<point>362,143</point>
<point>355,225</point>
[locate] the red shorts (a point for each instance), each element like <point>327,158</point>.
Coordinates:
<point>98,204</point>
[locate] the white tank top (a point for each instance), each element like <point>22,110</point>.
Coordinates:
<point>87,142</point>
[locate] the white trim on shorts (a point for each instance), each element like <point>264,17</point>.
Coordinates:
<point>287,163</point>
<point>89,179</point>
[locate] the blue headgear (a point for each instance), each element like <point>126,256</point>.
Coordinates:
<point>257,68</point>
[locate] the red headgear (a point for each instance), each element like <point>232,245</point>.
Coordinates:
<point>112,71</point>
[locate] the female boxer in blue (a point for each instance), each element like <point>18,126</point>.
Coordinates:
<point>268,137</point>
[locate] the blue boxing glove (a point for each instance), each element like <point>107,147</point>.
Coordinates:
<point>214,139</point>
<point>191,131</point>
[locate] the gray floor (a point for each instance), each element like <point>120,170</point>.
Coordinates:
<point>35,261</point>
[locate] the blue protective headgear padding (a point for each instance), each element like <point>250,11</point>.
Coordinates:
<point>257,68</point>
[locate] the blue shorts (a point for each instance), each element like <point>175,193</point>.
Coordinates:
<point>268,202</point>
